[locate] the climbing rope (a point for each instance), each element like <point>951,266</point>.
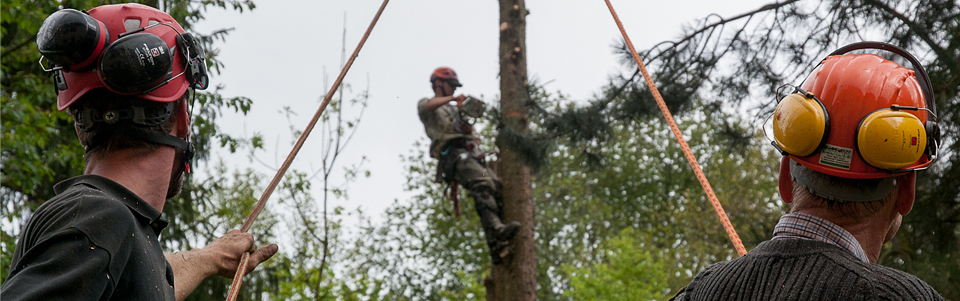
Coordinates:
<point>241,269</point>
<point>737,244</point>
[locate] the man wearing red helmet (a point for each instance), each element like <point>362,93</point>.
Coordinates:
<point>853,136</point>
<point>123,72</point>
<point>454,143</point>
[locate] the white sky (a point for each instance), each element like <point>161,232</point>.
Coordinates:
<point>277,52</point>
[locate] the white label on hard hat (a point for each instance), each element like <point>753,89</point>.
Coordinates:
<point>836,156</point>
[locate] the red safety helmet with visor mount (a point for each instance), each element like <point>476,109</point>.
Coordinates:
<point>128,49</point>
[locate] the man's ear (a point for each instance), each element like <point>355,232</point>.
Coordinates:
<point>82,142</point>
<point>786,182</point>
<point>907,192</point>
<point>183,119</point>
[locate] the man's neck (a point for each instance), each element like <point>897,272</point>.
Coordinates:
<point>870,232</point>
<point>145,174</point>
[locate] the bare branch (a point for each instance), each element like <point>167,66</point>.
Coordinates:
<point>771,6</point>
<point>921,31</point>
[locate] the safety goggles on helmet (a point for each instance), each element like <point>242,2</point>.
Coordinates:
<point>130,49</point>
<point>861,115</point>
<point>454,83</point>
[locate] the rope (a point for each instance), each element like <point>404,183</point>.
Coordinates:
<point>241,269</point>
<point>737,244</point>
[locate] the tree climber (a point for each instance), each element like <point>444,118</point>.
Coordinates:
<point>455,144</point>
<point>123,72</point>
<point>852,136</point>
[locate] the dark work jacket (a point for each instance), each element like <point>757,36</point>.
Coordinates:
<point>95,240</point>
<point>797,269</point>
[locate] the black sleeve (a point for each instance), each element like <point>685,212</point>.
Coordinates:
<point>65,266</point>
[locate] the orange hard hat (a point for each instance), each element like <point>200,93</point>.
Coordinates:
<point>857,116</point>
<point>445,74</point>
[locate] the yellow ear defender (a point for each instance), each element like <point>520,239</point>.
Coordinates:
<point>891,138</point>
<point>888,139</point>
<point>800,124</point>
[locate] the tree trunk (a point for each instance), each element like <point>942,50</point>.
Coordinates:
<point>515,278</point>
<point>491,288</point>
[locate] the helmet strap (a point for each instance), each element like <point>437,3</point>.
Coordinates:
<point>166,139</point>
<point>86,118</point>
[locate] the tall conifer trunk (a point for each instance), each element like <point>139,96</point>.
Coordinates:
<point>515,279</point>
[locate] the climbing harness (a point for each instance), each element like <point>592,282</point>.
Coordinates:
<point>446,168</point>
<point>455,197</point>
<point>473,108</point>
<point>737,244</point>
<point>241,269</point>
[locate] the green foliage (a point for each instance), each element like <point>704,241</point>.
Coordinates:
<point>628,271</point>
<point>421,251</point>
<point>39,143</point>
<point>646,184</point>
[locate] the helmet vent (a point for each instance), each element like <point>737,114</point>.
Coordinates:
<point>131,24</point>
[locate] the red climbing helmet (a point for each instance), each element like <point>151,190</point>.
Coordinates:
<point>446,74</point>
<point>130,49</point>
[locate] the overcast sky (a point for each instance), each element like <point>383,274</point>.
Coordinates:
<point>276,55</point>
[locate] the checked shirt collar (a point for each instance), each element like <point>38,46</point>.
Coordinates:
<point>805,226</point>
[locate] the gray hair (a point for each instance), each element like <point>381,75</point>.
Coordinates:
<point>850,197</point>
<point>841,189</point>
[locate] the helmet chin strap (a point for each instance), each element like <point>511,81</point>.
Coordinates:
<point>166,139</point>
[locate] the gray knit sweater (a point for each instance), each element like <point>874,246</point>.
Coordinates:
<point>796,269</point>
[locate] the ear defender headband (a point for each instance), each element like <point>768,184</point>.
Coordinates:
<point>891,138</point>
<point>136,63</point>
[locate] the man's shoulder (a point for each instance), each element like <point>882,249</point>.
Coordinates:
<point>783,267</point>
<point>84,200</point>
<point>83,207</point>
<point>77,201</point>
<point>876,281</point>
<point>898,284</point>
<point>88,223</point>
<point>422,108</point>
